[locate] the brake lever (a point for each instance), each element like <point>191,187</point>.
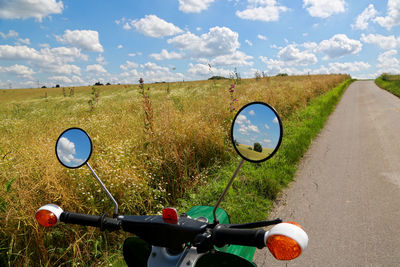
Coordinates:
<point>254,224</point>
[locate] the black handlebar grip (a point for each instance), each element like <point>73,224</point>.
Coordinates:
<point>244,237</point>
<point>81,219</point>
<point>91,220</point>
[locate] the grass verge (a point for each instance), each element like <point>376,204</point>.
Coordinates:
<point>391,85</point>
<point>257,185</point>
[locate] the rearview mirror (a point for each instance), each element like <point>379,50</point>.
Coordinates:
<point>256,132</point>
<point>73,148</point>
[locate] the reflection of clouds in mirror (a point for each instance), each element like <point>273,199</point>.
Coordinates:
<point>66,152</point>
<point>257,123</point>
<point>246,125</point>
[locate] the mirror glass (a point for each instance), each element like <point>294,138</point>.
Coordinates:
<point>256,132</point>
<point>73,148</point>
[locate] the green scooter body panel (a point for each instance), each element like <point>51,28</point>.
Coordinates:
<point>223,218</point>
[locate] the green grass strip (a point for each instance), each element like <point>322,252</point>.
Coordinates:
<point>252,194</point>
<point>392,86</point>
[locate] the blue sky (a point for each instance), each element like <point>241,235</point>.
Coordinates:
<point>48,42</point>
<point>257,123</point>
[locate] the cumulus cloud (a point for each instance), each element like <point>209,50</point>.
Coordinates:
<point>96,68</point>
<point>194,6</point>
<point>129,65</point>
<point>19,70</point>
<point>346,67</point>
<point>218,41</point>
<point>203,70</point>
<point>384,42</point>
<point>262,10</point>
<point>237,58</point>
<point>338,46</point>
<point>363,19</point>
<point>87,40</point>
<point>166,55</point>
<point>66,152</point>
<point>275,120</point>
<point>388,62</point>
<point>10,34</point>
<point>153,26</point>
<point>324,8</point>
<point>249,43</point>
<point>23,9</point>
<point>393,15</point>
<point>291,55</point>
<point>261,37</point>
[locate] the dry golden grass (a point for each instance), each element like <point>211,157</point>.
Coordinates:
<point>143,170</point>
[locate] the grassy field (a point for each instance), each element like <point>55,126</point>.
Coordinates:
<point>152,147</point>
<point>390,83</point>
<point>253,155</point>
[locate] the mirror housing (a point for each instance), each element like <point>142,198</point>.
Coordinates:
<point>73,148</point>
<point>256,132</point>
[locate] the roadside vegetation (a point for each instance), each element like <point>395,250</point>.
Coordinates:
<point>154,145</point>
<point>390,83</point>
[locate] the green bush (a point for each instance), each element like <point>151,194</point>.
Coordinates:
<point>257,147</point>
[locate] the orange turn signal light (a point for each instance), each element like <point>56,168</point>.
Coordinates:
<point>283,247</point>
<point>286,241</point>
<point>46,218</point>
<point>48,215</point>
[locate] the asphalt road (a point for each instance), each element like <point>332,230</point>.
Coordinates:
<point>347,191</point>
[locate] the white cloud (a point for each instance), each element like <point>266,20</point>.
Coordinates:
<point>120,46</point>
<point>10,34</point>
<point>19,70</point>
<point>393,15</point>
<point>203,70</point>
<point>363,19</point>
<point>24,41</point>
<point>261,37</point>
<point>266,126</point>
<point>66,152</point>
<point>249,43</point>
<point>275,120</point>
<point>388,62</point>
<point>194,6</point>
<point>237,58</point>
<point>324,8</point>
<point>291,55</point>
<point>60,79</point>
<point>129,65</point>
<point>96,68</point>
<point>86,39</point>
<point>384,42</point>
<point>100,59</point>
<point>64,54</point>
<point>153,26</point>
<point>153,73</point>
<point>23,9</point>
<point>166,55</point>
<point>348,67</point>
<point>262,10</point>
<point>132,55</point>
<point>338,46</point>
<point>65,69</point>
<point>218,41</point>
<point>251,112</point>
<point>9,52</point>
